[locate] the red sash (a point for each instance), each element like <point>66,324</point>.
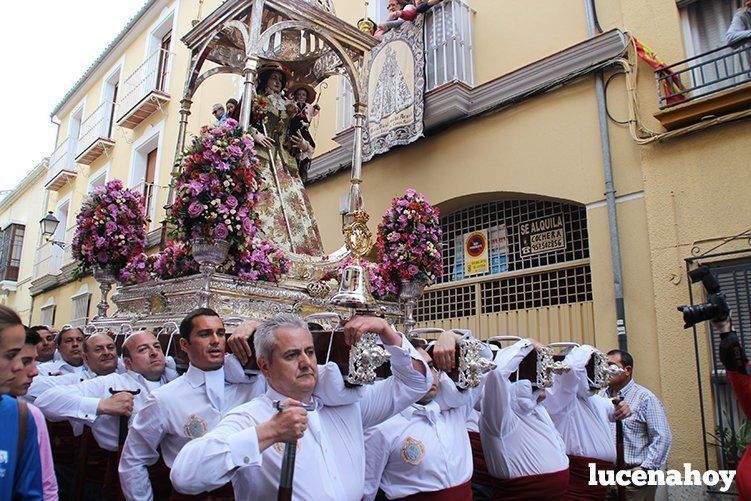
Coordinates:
<point>578,486</point>
<point>461,492</point>
<point>543,487</point>
<point>224,493</point>
<point>480,473</point>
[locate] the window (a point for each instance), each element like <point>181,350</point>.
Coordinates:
<point>161,77</point>
<point>81,303</point>
<point>448,44</point>
<point>706,22</point>
<point>98,178</point>
<point>109,98</point>
<point>11,244</point>
<point>345,100</point>
<point>48,313</point>
<point>145,170</point>
<point>518,277</point>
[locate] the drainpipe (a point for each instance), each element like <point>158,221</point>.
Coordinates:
<point>607,162</point>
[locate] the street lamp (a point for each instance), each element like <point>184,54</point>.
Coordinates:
<point>49,224</point>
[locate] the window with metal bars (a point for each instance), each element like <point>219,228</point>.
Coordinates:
<point>516,279</point>
<point>11,245</point>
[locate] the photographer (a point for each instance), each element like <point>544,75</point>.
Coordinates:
<point>739,373</point>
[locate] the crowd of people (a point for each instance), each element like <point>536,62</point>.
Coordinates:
<point>127,421</point>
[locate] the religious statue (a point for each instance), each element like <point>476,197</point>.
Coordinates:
<point>303,111</point>
<point>284,208</point>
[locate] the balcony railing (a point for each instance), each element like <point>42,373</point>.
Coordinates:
<point>62,165</point>
<point>96,133</point>
<point>149,191</point>
<point>703,75</point>
<point>68,254</point>
<point>145,90</point>
<point>49,260</point>
<point>448,44</point>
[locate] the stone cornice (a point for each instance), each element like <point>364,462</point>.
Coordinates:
<point>48,282</point>
<point>456,101</point>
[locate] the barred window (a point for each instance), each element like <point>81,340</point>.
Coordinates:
<point>526,267</point>
<point>81,302</point>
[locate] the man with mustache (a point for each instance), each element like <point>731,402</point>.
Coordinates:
<point>18,389</point>
<point>247,445</point>
<point>424,451</point>
<point>100,359</point>
<point>70,346</point>
<point>523,450</point>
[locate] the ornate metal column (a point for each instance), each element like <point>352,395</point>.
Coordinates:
<point>355,194</point>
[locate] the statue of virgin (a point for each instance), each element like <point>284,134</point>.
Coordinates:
<point>284,209</point>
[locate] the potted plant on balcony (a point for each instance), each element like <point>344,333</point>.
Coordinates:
<point>110,232</point>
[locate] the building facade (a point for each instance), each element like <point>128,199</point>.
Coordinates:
<point>537,120</point>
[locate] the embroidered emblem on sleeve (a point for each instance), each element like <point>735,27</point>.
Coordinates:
<point>195,427</point>
<point>413,451</point>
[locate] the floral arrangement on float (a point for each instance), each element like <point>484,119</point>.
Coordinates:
<point>409,248</point>
<point>175,260</point>
<point>110,231</point>
<point>409,238</point>
<point>216,191</point>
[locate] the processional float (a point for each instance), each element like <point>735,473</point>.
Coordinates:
<point>307,38</point>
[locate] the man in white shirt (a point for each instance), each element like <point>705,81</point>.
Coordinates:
<point>46,346</point>
<point>70,348</point>
<point>583,418</point>
<point>423,453</point>
<point>248,444</point>
<point>100,359</point>
<point>523,450</point>
<point>91,402</point>
<point>185,408</point>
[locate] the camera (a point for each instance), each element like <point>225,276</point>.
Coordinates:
<point>716,307</point>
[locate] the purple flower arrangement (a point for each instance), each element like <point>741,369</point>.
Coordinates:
<point>175,260</point>
<point>216,193</point>
<point>110,229</point>
<point>409,239</point>
<point>261,260</point>
<point>138,270</point>
<point>217,187</point>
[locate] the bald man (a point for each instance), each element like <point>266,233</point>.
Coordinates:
<point>91,402</point>
<point>99,357</point>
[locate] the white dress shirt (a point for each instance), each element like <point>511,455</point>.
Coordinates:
<point>79,402</point>
<point>174,414</point>
<point>41,383</point>
<point>518,437</point>
<point>330,463</point>
<point>581,417</point>
<point>425,448</point>
<point>58,365</point>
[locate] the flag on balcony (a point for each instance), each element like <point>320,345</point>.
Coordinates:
<point>672,86</point>
<point>395,87</point>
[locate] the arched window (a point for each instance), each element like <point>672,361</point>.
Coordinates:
<point>537,257</point>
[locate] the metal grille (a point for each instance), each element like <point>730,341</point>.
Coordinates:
<point>552,288</point>
<point>515,282</point>
<point>735,282</point>
<point>446,303</point>
<point>511,213</point>
<point>448,44</point>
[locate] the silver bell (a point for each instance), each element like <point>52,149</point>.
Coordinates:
<point>354,289</point>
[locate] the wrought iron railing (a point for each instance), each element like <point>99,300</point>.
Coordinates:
<point>149,192</point>
<point>62,159</point>
<point>702,75</point>
<point>49,260</point>
<point>150,76</point>
<point>448,44</point>
<point>98,125</point>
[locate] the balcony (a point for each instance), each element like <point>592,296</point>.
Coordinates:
<point>62,168</point>
<point>50,259</point>
<point>145,90</point>
<point>96,134</point>
<point>149,191</point>
<point>710,84</point>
